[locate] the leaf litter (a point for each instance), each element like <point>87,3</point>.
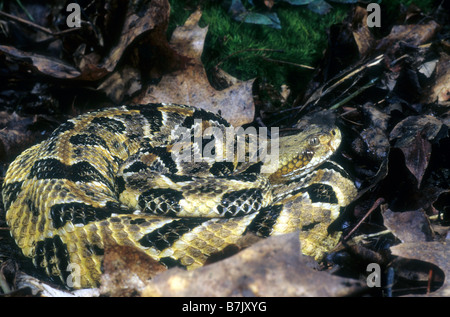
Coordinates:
<point>388,88</point>
<point>191,86</point>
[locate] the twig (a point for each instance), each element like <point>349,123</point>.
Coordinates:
<point>375,235</point>
<point>377,203</point>
<point>36,26</point>
<point>290,109</point>
<point>352,122</point>
<point>23,21</point>
<point>353,95</point>
<point>430,279</point>
<point>247,50</point>
<point>348,120</point>
<point>287,63</point>
<point>323,90</point>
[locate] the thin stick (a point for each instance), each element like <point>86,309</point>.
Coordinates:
<point>247,50</point>
<point>287,63</point>
<point>23,21</point>
<point>353,72</point>
<point>430,279</point>
<point>353,95</point>
<point>377,203</point>
<point>36,26</point>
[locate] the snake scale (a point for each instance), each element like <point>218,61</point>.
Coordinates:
<point>120,175</point>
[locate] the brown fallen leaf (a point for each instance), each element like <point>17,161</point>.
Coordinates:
<point>433,252</point>
<point>412,136</point>
<point>272,267</point>
<point>46,65</point>
<point>411,34</point>
<point>408,226</point>
<point>54,67</point>
<point>121,84</point>
<point>440,88</point>
<point>361,32</point>
<point>126,270</point>
<point>15,135</point>
<point>145,17</point>
<point>190,86</point>
<point>374,136</point>
<point>417,157</point>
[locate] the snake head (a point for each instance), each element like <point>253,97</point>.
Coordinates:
<point>302,152</point>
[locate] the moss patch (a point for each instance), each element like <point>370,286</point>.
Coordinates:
<point>248,51</point>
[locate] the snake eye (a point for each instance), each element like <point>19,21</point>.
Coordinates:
<point>314,141</point>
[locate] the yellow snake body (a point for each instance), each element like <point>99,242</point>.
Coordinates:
<point>116,176</point>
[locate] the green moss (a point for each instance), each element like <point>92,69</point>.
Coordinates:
<point>248,51</point>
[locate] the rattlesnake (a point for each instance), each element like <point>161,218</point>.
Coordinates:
<point>120,175</point>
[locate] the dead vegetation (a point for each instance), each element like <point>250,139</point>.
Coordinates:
<point>390,92</point>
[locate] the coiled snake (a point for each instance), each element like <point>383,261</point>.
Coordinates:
<point>120,175</point>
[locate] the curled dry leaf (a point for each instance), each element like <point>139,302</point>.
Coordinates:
<point>149,16</point>
<point>410,34</point>
<point>190,86</point>
<point>408,226</point>
<point>15,134</point>
<point>361,32</point>
<point>374,136</point>
<point>122,83</point>
<point>126,270</point>
<point>272,267</point>
<point>413,137</point>
<point>433,252</point>
<point>44,64</point>
<point>440,89</point>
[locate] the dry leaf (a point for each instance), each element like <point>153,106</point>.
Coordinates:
<point>126,270</point>
<point>121,84</point>
<point>361,32</point>
<point>53,67</point>
<point>374,136</point>
<point>15,135</point>
<point>44,64</point>
<point>412,34</point>
<point>433,252</point>
<point>150,16</point>
<point>191,86</point>
<point>440,90</point>
<point>412,136</point>
<point>272,267</point>
<point>408,226</point>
